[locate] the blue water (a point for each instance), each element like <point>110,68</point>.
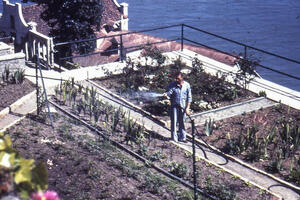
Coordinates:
<point>271,25</point>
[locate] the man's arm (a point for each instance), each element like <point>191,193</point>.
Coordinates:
<point>189,100</point>
<point>169,91</point>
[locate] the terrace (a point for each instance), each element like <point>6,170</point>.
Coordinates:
<point>89,94</point>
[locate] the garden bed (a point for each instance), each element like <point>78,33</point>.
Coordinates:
<point>83,166</point>
<point>117,126</point>
<point>141,84</point>
<point>10,93</point>
<point>268,139</point>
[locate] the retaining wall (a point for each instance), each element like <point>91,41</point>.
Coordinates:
<point>13,61</point>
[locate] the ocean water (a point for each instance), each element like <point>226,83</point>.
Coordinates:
<point>270,25</point>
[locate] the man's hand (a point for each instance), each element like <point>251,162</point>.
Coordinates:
<point>165,95</point>
<point>187,111</point>
<point>187,108</point>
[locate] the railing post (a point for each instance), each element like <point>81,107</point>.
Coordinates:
<point>182,32</point>
<point>37,80</point>
<point>245,52</point>
<point>121,48</point>
<point>194,160</point>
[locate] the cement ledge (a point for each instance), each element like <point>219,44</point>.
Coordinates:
<point>16,104</point>
<point>21,101</point>
<point>19,55</point>
<point>16,121</point>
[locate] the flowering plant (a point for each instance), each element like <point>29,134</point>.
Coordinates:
<point>48,195</point>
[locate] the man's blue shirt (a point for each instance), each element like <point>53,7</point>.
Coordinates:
<point>180,95</point>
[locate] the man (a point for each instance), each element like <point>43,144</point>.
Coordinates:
<point>180,95</point>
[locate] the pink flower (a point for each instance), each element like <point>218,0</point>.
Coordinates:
<point>48,195</point>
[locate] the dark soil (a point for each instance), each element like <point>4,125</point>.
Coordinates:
<point>280,158</point>
<point>10,93</point>
<point>84,166</point>
<point>176,161</point>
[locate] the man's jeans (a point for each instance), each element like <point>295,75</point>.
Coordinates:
<point>177,115</point>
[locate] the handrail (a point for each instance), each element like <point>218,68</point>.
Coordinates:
<point>116,49</point>
<point>242,44</point>
<point>183,38</point>
<point>121,34</point>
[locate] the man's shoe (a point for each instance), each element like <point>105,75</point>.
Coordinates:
<point>184,141</point>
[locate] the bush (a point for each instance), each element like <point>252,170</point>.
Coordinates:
<point>295,176</point>
<point>179,169</point>
<point>17,77</point>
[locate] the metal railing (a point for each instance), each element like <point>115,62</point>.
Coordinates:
<point>183,37</point>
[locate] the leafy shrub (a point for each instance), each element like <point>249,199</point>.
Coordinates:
<point>17,77</point>
<point>295,176</point>
<point>262,94</point>
<point>178,169</point>
<point>27,177</point>
<point>155,54</point>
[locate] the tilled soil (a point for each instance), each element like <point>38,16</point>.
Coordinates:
<point>84,166</point>
<point>165,155</point>
<point>262,122</point>
<point>10,93</point>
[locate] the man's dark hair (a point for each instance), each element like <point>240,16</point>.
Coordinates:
<point>178,73</point>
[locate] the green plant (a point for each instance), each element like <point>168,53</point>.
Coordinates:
<point>154,54</point>
<point>18,76</point>
<point>290,138</point>
<point>116,117</point>
<point>295,175</point>
<point>178,169</point>
<point>270,137</point>
<point>236,146</point>
<point>6,74</point>
<point>209,127</point>
<point>197,66</point>
<point>134,131</point>
<point>276,163</point>
<point>246,71</point>
<point>27,176</point>
<point>157,156</point>
<point>219,190</point>
<point>262,93</point>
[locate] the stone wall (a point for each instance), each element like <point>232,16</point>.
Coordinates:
<point>13,61</point>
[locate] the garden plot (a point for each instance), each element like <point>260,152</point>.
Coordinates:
<point>268,139</point>
<point>118,126</point>
<point>84,166</point>
<point>10,93</point>
<point>142,83</point>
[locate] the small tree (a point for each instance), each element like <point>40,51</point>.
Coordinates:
<point>72,20</point>
<point>246,71</point>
